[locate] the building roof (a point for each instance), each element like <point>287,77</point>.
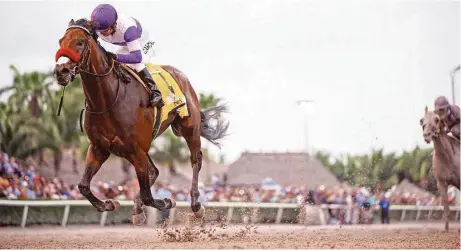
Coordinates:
<point>284,168</point>
<point>406,186</point>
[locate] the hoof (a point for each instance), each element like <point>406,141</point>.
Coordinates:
<point>139,219</point>
<point>116,204</point>
<point>200,212</point>
<point>112,205</point>
<point>172,203</point>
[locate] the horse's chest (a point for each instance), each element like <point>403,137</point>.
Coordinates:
<point>116,141</point>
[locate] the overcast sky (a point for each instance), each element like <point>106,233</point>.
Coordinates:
<point>370,66</point>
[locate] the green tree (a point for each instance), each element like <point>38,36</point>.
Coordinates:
<point>337,165</point>
<point>21,136</point>
<point>28,91</point>
<point>415,165</point>
<point>375,170</point>
<point>63,131</point>
<point>384,169</point>
<point>380,171</point>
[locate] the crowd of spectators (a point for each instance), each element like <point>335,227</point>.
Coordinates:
<point>20,182</point>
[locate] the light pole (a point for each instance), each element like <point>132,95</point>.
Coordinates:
<point>306,131</point>
<point>452,74</point>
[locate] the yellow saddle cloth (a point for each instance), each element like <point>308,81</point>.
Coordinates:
<point>172,96</point>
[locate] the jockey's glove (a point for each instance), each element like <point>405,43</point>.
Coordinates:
<point>112,55</point>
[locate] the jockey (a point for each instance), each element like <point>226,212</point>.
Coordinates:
<point>135,46</point>
<point>449,114</point>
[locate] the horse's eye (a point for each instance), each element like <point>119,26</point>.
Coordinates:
<point>436,120</point>
<point>80,43</point>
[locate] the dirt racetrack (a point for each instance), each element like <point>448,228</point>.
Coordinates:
<point>238,236</point>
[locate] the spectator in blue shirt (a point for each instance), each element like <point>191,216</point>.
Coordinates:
<point>30,194</point>
<point>384,204</point>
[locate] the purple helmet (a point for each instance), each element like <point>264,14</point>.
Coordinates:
<point>104,15</point>
<point>441,103</point>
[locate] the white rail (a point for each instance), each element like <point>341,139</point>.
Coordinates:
<point>181,204</point>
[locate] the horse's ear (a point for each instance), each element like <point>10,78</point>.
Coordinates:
<point>425,110</point>
<point>71,22</point>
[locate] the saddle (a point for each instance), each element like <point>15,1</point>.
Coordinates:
<point>172,95</point>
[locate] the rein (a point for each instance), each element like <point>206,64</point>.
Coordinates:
<point>84,59</point>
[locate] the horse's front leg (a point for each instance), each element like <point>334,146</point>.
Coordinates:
<point>95,157</point>
<point>442,186</point>
<point>147,174</point>
<point>138,213</point>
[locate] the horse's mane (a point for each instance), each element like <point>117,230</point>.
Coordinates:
<point>90,26</point>
<point>87,24</point>
<point>453,142</point>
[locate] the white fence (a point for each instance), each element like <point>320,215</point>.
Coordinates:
<point>229,205</point>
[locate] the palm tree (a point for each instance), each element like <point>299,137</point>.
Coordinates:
<point>337,166</point>
<point>380,171</point>
<point>22,136</point>
<point>29,90</point>
<point>324,158</point>
<point>416,164</point>
<point>63,131</point>
<point>384,170</point>
<point>372,170</point>
<point>32,98</point>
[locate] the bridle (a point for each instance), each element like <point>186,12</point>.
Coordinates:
<point>85,56</point>
<point>83,66</point>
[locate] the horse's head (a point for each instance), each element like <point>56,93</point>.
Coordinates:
<point>431,125</point>
<point>74,50</point>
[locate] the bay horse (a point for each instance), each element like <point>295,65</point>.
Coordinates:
<point>445,159</point>
<point>118,119</point>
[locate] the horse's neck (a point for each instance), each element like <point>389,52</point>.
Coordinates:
<point>100,92</point>
<point>446,148</point>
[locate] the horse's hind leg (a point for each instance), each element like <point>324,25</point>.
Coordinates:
<point>146,177</point>
<point>191,131</point>
<point>95,157</point>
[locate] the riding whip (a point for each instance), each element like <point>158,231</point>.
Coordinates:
<point>60,102</point>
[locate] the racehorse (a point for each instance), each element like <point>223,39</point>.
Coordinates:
<point>118,119</point>
<point>445,160</point>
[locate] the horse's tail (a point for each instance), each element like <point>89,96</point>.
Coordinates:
<point>214,132</point>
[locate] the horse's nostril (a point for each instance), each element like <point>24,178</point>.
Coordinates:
<point>65,71</point>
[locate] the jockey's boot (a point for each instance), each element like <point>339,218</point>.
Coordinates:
<point>156,97</point>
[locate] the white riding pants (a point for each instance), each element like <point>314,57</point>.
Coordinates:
<point>147,51</point>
